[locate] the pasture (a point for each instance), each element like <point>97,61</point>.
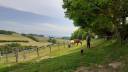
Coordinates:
<point>38,50</point>
<point>60,58</point>
<point>69,59</point>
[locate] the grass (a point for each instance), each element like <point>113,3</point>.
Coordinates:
<point>13,37</point>
<point>24,40</point>
<point>6,39</point>
<point>67,60</point>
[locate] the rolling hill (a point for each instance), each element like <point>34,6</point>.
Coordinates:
<point>25,39</point>
<point>10,36</point>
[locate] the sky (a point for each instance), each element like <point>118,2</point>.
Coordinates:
<point>35,16</point>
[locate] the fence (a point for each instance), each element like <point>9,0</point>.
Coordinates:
<point>15,55</point>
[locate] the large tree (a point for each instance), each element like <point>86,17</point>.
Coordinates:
<point>79,34</point>
<point>98,15</point>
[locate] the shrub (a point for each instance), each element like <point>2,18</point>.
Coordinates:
<point>52,40</point>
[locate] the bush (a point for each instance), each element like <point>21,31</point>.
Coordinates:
<point>9,48</point>
<point>52,40</point>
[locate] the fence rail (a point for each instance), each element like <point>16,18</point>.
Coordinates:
<point>15,55</point>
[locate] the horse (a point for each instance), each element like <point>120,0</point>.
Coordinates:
<point>76,41</point>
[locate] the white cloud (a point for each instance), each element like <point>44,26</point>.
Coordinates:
<point>44,7</point>
<point>51,8</point>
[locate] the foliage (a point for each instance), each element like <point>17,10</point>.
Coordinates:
<point>6,32</point>
<point>14,45</point>
<point>100,16</point>
<point>9,48</point>
<point>33,35</point>
<point>79,34</point>
<point>52,40</point>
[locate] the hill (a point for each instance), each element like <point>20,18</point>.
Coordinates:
<point>6,32</point>
<point>98,58</point>
<point>37,38</point>
<point>13,38</point>
<point>26,39</point>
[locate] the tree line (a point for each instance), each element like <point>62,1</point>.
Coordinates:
<point>103,17</point>
<point>6,32</point>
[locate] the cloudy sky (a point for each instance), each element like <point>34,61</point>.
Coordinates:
<point>35,16</point>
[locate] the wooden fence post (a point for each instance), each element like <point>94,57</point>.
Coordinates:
<point>58,47</point>
<point>16,54</point>
<point>64,44</point>
<point>0,55</point>
<point>24,54</point>
<point>6,55</point>
<point>50,49</point>
<point>37,50</point>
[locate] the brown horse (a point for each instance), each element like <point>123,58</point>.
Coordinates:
<point>76,41</point>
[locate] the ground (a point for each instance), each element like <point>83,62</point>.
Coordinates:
<point>104,56</point>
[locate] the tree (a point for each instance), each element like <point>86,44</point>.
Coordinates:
<point>52,40</point>
<point>79,34</point>
<point>98,15</point>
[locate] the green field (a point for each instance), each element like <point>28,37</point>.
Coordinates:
<point>64,59</point>
<point>27,55</point>
<point>68,59</point>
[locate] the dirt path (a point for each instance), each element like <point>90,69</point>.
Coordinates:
<point>111,67</point>
<point>84,69</point>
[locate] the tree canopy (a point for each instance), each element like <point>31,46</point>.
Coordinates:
<point>100,16</point>
<point>79,34</point>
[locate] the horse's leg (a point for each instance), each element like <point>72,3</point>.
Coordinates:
<point>77,44</point>
<point>81,43</point>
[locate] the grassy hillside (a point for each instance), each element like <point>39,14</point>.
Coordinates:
<point>24,39</point>
<point>41,39</point>
<point>5,39</point>
<point>101,53</point>
<point>13,37</point>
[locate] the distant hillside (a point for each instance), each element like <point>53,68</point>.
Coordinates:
<point>35,37</point>
<point>13,38</point>
<point>25,39</point>
<point>6,32</point>
<point>66,38</point>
